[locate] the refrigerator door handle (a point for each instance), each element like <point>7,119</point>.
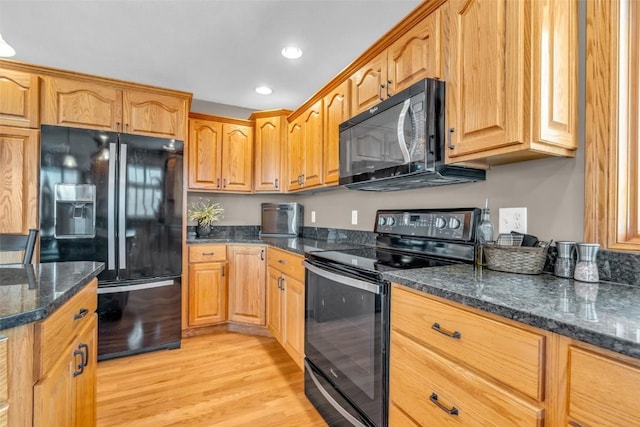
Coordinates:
<point>111,202</point>
<point>122,229</point>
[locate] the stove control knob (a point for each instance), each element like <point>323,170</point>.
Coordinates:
<point>440,223</point>
<point>454,223</point>
<point>391,220</point>
<point>381,221</point>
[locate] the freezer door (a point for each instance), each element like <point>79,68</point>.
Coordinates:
<point>77,196</point>
<point>149,216</point>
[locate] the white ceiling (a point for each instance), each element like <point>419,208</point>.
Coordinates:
<point>219,50</point>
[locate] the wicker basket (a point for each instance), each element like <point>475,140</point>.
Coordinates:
<point>516,259</point>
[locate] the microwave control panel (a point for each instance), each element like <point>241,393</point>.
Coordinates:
<point>456,225</point>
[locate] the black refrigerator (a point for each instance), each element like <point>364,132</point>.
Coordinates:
<point>117,198</point>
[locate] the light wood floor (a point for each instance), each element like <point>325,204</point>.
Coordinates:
<point>223,379</point>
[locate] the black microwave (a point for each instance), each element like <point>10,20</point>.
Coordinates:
<point>400,143</point>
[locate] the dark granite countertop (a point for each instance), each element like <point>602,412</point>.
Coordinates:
<point>32,292</point>
<point>299,245</point>
<point>603,314</point>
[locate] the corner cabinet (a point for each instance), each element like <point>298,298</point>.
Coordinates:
<point>270,150</point>
<point>220,154</point>
<point>207,284</point>
<point>102,106</point>
<point>415,55</point>
<point>285,301</point>
<point>247,284</point>
<point>305,149</point>
<point>511,74</point>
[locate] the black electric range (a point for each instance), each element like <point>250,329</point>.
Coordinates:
<point>347,308</point>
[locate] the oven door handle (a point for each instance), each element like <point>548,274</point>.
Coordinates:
<point>331,400</point>
<point>354,283</point>
<point>136,287</point>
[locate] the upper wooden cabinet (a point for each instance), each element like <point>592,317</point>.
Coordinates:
<point>270,150</point>
<point>18,179</point>
<point>96,105</point>
<point>336,110</point>
<point>19,99</point>
<point>306,149</point>
<point>220,154</point>
<point>412,57</point>
<point>511,74</point>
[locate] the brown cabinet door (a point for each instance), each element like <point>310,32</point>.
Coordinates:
<point>85,383</point>
<point>18,179</point>
<point>485,75</point>
<point>205,155</point>
<point>295,151</point>
<point>274,302</point>
<point>293,313</point>
<point>369,84</point>
<point>313,146</point>
<point>336,110</point>
<point>53,396</point>
<point>19,96</point>
<point>270,143</point>
<point>207,293</point>
<point>237,158</point>
<point>555,72</point>
<point>247,284</point>
<point>415,55</point>
<point>152,114</point>
<point>81,104</point>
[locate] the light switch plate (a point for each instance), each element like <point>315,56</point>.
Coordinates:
<point>512,219</point>
<point>354,217</point>
<point>313,216</point>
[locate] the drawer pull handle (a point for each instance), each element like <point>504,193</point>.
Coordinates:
<point>80,365</point>
<point>434,399</point>
<point>281,261</point>
<point>208,253</point>
<point>80,314</point>
<point>85,354</point>
<point>455,334</point>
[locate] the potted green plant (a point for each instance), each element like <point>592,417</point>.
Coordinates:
<point>205,213</point>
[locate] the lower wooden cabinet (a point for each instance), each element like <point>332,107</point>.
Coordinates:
<point>452,366</point>
<point>207,284</point>
<point>4,376</point>
<point>247,284</point>
<point>601,390</point>
<point>285,301</point>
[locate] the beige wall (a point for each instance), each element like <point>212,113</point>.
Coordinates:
<point>552,190</point>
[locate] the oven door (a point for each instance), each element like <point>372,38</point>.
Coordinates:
<point>346,338</point>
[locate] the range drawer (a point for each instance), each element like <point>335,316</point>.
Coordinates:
<point>286,262</point>
<point>58,331</point>
<point>207,252</point>
<point>602,391</point>
<point>511,355</point>
<point>435,391</point>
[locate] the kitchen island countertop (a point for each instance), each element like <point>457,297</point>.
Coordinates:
<point>604,314</point>
<point>32,292</point>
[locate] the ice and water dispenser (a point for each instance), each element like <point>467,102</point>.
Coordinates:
<point>75,211</point>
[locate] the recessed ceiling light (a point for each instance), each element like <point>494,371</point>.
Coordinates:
<point>264,90</point>
<point>292,52</point>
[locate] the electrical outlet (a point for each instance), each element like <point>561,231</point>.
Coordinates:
<point>512,219</point>
<point>313,216</point>
<point>354,217</point>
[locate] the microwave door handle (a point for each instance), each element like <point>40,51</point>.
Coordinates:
<point>401,140</point>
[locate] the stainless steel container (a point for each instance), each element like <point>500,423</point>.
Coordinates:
<point>565,262</point>
<point>282,219</point>
<point>587,267</point>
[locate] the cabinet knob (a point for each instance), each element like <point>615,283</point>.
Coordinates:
<point>80,314</point>
<point>217,182</point>
<point>275,183</point>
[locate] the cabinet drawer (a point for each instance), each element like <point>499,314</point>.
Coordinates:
<point>507,353</point>
<point>286,262</point>
<point>602,391</point>
<point>398,418</point>
<point>4,367</point>
<point>420,380</point>
<point>57,331</point>
<point>207,253</point>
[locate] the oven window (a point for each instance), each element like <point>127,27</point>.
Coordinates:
<point>343,333</point>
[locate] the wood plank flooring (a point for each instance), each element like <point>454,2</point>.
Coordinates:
<point>223,379</point>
